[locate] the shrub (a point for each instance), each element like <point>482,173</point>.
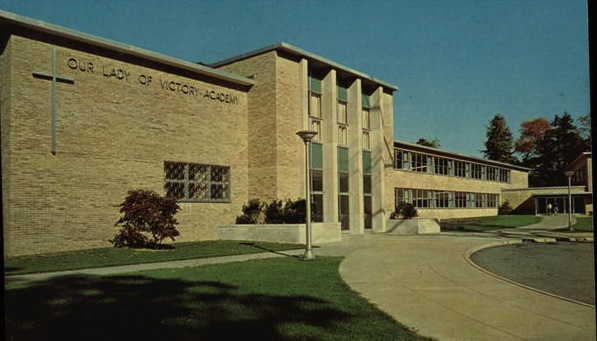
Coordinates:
<point>252,213</point>
<point>274,212</point>
<point>147,219</point>
<point>295,211</point>
<point>505,208</point>
<point>404,210</point>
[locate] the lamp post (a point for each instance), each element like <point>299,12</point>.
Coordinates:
<point>307,136</point>
<point>569,175</point>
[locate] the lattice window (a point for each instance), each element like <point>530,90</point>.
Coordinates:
<point>197,182</point>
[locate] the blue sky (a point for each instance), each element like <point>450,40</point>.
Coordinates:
<point>457,63</point>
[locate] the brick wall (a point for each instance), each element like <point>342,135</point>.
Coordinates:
<point>114,134</point>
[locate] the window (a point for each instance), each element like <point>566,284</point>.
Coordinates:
<point>419,162</point>
<point>421,198</point>
<point>460,169</point>
<point>342,124</point>
<point>460,199</point>
<point>442,199</point>
<point>475,171</point>
<point>366,140</point>
<point>342,113</point>
<point>197,182</point>
<point>317,181</point>
<point>315,116</point>
<point>343,188</point>
<point>315,106</point>
<point>504,175</point>
<point>366,119</point>
<point>441,166</point>
<point>342,135</point>
<point>491,173</point>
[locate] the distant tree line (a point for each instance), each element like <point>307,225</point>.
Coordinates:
<point>546,147</point>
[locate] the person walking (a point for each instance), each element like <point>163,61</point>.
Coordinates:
<point>549,209</point>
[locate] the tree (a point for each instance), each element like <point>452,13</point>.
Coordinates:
<point>429,143</point>
<point>146,212</point>
<point>559,147</point>
<point>584,128</point>
<point>531,134</point>
<point>498,146</point>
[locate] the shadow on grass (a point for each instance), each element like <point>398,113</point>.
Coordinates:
<point>259,247</point>
<point>137,307</point>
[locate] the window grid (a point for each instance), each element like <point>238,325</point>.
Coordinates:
<point>191,182</point>
<point>425,198</point>
<point>419,162</point>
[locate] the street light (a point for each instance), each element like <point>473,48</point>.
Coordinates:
<point>307,136</point>
<point>569,175</point>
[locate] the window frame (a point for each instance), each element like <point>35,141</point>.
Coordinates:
<point>206,180</point>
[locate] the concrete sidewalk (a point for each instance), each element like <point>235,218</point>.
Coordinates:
<point>428,284</point>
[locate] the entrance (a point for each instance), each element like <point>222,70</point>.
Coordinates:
<point>557,202</point>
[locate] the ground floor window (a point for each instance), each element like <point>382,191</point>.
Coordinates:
<point>426,198</point>
<point>194,182</point>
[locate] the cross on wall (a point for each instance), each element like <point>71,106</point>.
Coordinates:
<point>54,78</point>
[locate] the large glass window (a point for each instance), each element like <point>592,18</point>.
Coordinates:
<point>317,181</point>
<point>343,189</point>
<point>315,113</point>
<point>196,182</point>
<point>367,189</point>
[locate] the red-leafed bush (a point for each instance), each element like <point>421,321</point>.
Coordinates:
<point>147,219</point>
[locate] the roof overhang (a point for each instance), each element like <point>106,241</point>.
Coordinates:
<point>440,152</point>
<point>8,18</point>
<point>293,50</point>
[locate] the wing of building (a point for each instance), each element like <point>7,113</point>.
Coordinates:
<point>86,119</point>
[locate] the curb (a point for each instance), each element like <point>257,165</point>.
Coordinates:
<point>467,257</point>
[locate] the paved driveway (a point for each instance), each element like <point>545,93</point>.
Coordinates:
<point>426,283</point>
<point>565,269</point>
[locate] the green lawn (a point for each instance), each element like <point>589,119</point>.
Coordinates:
<point>274,299</point>
<point>121,256</point>
<point>485,224</point>
<point>583,224</point>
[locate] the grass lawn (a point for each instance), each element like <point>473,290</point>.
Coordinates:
<point>583,224</point>
<point>121,256</point>
<point>485,224</point>
<point>274,299</point>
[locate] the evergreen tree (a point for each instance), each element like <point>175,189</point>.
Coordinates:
<point>499,143</point>
<point>584,128</point>
<point>558,148</point>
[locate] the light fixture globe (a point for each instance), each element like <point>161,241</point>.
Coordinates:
<point>306,135</point>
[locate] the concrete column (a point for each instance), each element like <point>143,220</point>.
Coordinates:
<point>330,144</point>
<point>377,162</point>
<point>304,98</point>
<point>355,167</point>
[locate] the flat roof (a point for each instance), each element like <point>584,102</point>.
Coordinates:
<point>436,151</point>
<point>44,27</point>
<point>288,48</point>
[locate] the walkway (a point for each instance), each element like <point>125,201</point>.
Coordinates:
<point>426,283</point>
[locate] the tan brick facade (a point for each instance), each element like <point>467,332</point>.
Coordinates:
<point>113,135</point>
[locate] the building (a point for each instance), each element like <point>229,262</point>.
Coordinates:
<point>447,185</point>
<point>85,119</point>
<point>536,200</point>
